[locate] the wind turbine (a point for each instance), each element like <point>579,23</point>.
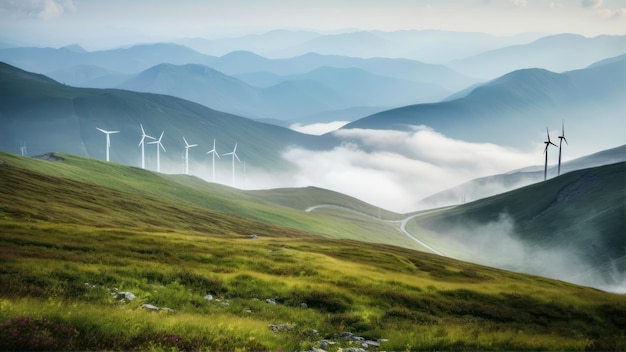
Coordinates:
<point>545,151</point>
<point>561,139</point>
<point>214,152</point>
<point>142,143</point>
<point>187,146</point>
<point>23,148</point>
<point>108,133</point>
<point>158,143</point>
<point>234,154</point>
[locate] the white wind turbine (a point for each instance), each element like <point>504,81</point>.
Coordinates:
<point>234,154</point>
<point>158,143</point>
<point>23,148</point>
<point>187,146</point>
<point>214,152</point>
<point>142,143</point>
<point>108,133</point>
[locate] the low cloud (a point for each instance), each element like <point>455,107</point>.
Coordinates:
<point>318,128</point>
<point>395,169</point>
<point>43,9</point>
<point>508,251</point>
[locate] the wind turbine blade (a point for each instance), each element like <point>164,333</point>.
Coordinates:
<point>186,144</point>
<point>193,145</point>
<point>143,132</point>
<point>114,131</point>
<point>101,130</point>
<point>161,137</point>
<point>162,146</point>
<point>565,139</point>
<point>141,142</point>
<point>236,157</point>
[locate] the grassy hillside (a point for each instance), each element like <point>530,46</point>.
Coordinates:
<point>49,116</point>
<point>581,215</point>
<point>284,207</point>
<point>71,247</point>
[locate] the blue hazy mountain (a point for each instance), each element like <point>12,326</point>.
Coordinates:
<point>242,62</point>
<point>562,52</point>
<point>89,76</point>
<point>48,116</point>
<point>432,46</point>
<point>521,103</point>
<point>126,60</point>
<point>289,97</point>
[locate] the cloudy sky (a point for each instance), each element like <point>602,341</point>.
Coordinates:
<point>101,24</point>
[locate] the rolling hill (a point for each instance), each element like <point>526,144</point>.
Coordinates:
<point>570,227</point>
<point>496,184</point>
<point>514,109</point>
<point>75,250</point>
<point>46,115</point>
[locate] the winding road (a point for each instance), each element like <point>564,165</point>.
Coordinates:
<point>402,223</point>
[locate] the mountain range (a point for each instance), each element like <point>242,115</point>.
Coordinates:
<point>46,115</point>
<point>432,46</point>
<point>558,53</point>
<point>513,109</point>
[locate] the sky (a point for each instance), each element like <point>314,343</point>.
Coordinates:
<point>103,24</point>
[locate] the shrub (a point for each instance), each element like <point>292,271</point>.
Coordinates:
<point>323,301</point>
<point>24,333</point>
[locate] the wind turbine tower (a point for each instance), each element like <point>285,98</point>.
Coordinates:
<point>214,152</point>
<point>545,151</point>
<point>187,146</point>
<point>108,133</point>
<point>142,144</point>
<point>561,139</point>
<point>234,154</point>
<point>159,144</point>
<point>23,149</point>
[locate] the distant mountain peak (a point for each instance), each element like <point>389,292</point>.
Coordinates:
<point>75,48</point>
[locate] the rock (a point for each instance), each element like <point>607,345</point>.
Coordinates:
<point>254,235</point>
<point>270,301</point>
<point>208,297</point>
<point>369,343</point>
<point>280,327</point>
<point>353,349</point>
<point>304,305</point>
<point>126,295</point>
<point>150,307</point>
<point>315,349</point>
<point>169,310</point>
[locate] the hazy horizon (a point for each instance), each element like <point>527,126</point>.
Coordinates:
<point>98,25</point>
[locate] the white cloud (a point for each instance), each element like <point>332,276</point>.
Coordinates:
<point>594,4</point>
<point>44,9</point>
<point>395,169</point>
<point>519,3</point>
<point>318,128</point>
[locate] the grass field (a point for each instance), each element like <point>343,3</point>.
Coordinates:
<point>70,246</point>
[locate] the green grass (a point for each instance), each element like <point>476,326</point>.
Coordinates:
<point>69,246</point>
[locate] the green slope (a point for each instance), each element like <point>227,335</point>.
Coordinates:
<point>284,207</point>
<point>69,246</point>
<point>49,116</point>
<point>581,214</point>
